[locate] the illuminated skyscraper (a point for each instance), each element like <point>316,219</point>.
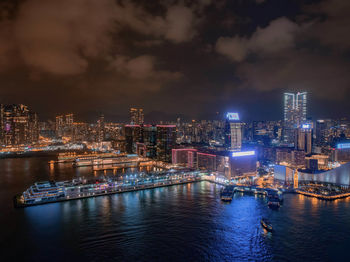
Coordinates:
<point>136,116</point>
<point>233,132</point>
<point>294,114</point>
<point>59,125</point>
<point>69,120</point>
<point>133,135</point>
<point>304,138</point>
<point>101,129</point>
<point>166,139</point>
<point>19,126</point>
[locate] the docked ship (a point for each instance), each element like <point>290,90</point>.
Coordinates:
<point>71,157</point>
<point>275,198</point>
<point>51,191</point>
<point>43,192</point>
<point>227,193</point>
<point>95,160</point>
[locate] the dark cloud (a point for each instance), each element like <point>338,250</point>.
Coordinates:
<point>182,57</point>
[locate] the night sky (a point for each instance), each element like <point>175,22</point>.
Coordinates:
<point>174,58</point>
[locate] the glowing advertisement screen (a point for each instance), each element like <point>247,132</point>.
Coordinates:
<point>306,126</point>
<point>243,153</point>
<point>343,146</point>
<point>232,116</point>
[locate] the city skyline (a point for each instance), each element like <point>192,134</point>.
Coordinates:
<point>180,130</point>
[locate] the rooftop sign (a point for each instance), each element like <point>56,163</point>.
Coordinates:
<point>243,153</point>
<point>232,116</point>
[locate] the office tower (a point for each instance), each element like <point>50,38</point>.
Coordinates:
<point>133,135</point>
<point>233,132</point>
<point>33,127</point>
<point>206,161</point>
<point>304,138</point>
<point>69,120</point>
<point>101,129</point>
<point>59,125</point>
<point>136,116</point>
<point>184,156</point>
<point>294,114</point>
<point>149,135</point>
<point>166,139</point>
<point>19,126</point>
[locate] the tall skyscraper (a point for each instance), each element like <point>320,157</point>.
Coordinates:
<point>166,139</point>
<point>233,132</point>
<point>64,125</point>
<point>101,129</point>
<point>133,135</point>
<point>294,114</point>
<point>69,120</point>
<point>304,138</point>
<point>136,116</point>
<point>150,140</point>
<point>59,125</point>
<point>19,126</point>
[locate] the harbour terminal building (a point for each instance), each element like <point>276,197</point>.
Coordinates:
<point>339,176</point>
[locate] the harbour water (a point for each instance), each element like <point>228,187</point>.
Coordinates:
<point>177,223</point>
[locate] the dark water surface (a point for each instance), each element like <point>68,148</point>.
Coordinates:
<point>178,223</point>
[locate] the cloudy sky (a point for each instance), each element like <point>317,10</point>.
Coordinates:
<point>188,58</point>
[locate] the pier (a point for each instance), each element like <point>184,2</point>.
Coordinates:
<point>323,197</point>
<point>51,192</point>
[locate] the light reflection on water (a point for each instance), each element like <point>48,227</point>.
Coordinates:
<point>177,223</point>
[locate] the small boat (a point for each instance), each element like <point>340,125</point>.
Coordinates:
<point>226,194</point>
<point>266,224</point>
<point>274,204</point>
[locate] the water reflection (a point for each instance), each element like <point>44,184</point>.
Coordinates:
<point>187,222</point>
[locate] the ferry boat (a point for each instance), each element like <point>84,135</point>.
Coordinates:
<point>96,160</point>
<point>275,198</point>
<point>227,194</point>
<point>44,191</point>
<point>71,157</point>
<point>266,224</point>
<point>273,204</point>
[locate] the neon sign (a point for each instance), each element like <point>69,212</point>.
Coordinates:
<point>306,126</point>
<point>343,146</point>
<point>232,116</point>
<point>243,153</point>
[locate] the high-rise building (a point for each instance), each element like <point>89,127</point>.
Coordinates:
<point>69,120</point>
<point>133,135</point>
<point>136,116</point>
<point>19,126</point>
<point>59,125</point>
<point>65,125</point>
<point>101,129</point>
<point>166,139</point>
<point>233,132</point>
<point>150,140</point>
<point>294,114</point>
<point>304,138</point>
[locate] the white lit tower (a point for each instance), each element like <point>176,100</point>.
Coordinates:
<point>233,132</point>
<point>294,114</point>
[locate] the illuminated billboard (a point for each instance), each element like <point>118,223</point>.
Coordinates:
<point>343,146</point>
<point>306,126</point>
<point>243,153</point>
<point>232,116</point>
